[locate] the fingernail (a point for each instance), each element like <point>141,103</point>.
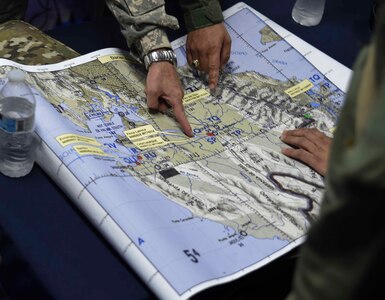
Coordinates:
<point>214,91</point>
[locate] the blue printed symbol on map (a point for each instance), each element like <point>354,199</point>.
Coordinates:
<point>140,241</point>
<point>314,104</point>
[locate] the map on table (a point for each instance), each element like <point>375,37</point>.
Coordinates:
<point>188,213</point>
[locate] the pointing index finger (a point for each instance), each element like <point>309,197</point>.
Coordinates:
<point>214,64</point>
<point>182,119</point>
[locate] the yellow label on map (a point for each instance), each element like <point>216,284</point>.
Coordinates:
<point>89,150</point>
<point>140,132</point>
<point>108,58</point>
<point>150,143</point>
<point>195,96</point>
<point>299,88</point>
<point>68,139</point>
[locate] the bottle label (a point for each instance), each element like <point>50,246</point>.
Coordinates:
<point>11,125</point>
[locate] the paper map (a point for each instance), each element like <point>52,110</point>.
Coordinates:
<point>189,213</point>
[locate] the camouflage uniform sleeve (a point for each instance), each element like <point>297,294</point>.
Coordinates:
<point>143,24</point>
<point>201,13</point>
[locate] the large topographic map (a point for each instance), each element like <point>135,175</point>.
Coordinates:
<point>188,213</point>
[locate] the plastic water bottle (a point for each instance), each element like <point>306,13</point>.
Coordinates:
<point>17,124</point>
<point>308,12</point>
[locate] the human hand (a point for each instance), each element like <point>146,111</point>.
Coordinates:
<point>312,147</point>
<point>210,46</point>
<point>163,89</point>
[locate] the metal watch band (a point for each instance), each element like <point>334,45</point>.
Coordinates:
<point>159,55</point>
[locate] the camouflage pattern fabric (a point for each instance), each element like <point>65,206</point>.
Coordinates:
<point>144,22</point>
<point>25,44</point>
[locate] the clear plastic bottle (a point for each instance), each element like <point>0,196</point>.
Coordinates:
<point>308,12</point>
<point>17,124</point>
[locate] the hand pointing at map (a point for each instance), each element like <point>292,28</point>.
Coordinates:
<point>144,24</point>
<point>163,89</point>
<point>208,50</point>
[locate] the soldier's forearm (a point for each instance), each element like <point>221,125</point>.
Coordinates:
<point>143,23</point>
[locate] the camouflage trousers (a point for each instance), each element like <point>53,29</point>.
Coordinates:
<point>12,9</point>
<point>25,44</point>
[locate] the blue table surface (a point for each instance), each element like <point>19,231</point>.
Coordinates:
<point>62,249</point>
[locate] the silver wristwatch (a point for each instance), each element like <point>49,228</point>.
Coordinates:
<point>159,55</point>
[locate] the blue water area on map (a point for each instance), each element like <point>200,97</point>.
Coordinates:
<point>177,233</point>
<point>110,95</point>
